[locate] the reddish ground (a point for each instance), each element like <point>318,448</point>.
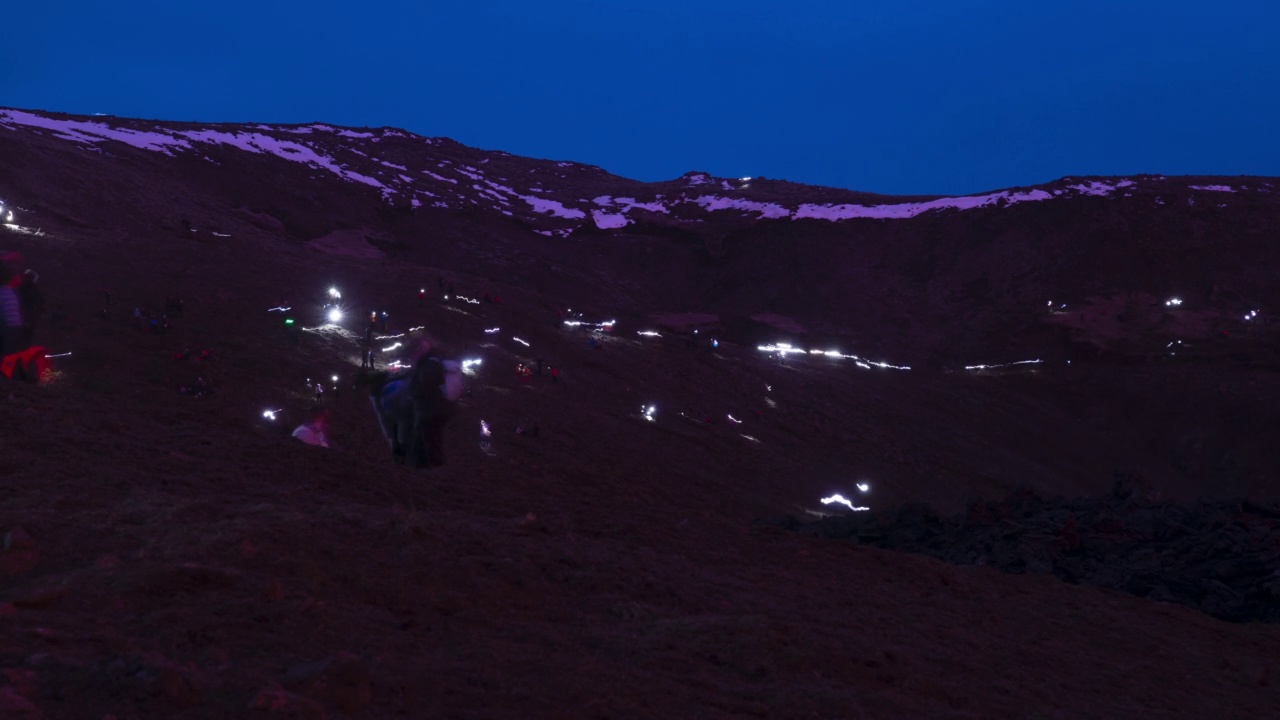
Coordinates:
<point>184,558</point>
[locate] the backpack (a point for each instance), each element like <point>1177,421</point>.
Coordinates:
<point>452,386</point>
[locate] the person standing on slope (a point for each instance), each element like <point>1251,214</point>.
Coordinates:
<point>11,324</point>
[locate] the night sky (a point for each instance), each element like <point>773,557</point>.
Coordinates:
<point>909,96</point>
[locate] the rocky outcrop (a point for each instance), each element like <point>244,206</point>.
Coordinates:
<point>1219,557</point>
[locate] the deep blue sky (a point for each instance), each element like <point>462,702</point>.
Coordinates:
<point>899,96</point>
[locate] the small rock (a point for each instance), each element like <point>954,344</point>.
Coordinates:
<point>13,705</point>
<point>343,680</point>
<point>18,539</point>
<point>281,703</point>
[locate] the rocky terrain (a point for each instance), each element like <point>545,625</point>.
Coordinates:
<point>1221,557</point>
<point>169,554</point>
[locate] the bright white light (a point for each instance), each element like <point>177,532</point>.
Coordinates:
<point>992,367</point>
<point>469,366</point>
<point>335,378</point>
<point>745,179</point>
<point>393,347</point>
<point>333,293</point>
<point>780,348</point>
<point>648,333</point>
<point>65,354</point>
<point>467,300</point>
<point>335,315</point>
<point>520,341</point>
<point>1251,315</point>
<point>279,309</point>
<point>734,419</point>
<point>840,499</point>
<point>270,414</point>
<point>783,349</point>
<point>649,412</point>
<point>491,331</point>
<point>1173,302</point>
<point>750,438</point>
<point>484,429</point>
<point>864,487</point>
<point>9,217</point>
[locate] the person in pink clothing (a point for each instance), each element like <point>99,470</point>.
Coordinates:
<point>312,432</point>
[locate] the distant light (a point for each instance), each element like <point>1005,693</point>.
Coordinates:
<point>1173,302</point>
<point>484,429</point>
<point>522,342</point>
<point>333,293</point>
<point>993,367</point>
<point>864,487</point>
<point>270,414</point>
<point>288,321</point>
<point>745,179</point>
<point>335,315</point>
<point>840,499</point>
<point>649,333</point>
<point>335,378</point>
<point>649,412</point>
<point>491,331</point>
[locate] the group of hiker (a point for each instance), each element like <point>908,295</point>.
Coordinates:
<point>21,305</point>
<point>412,402</point>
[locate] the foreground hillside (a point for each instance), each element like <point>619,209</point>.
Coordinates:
<point>182,557</point>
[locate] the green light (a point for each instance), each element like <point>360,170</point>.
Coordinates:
<point>288,321</point>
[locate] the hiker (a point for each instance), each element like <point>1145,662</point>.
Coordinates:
<point>31,305</point>
<point>12,329</point>
<point>414,406</point>
<point>555,373</point>
<point>312,431</point>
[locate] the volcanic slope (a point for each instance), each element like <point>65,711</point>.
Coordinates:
<point>183,557</point>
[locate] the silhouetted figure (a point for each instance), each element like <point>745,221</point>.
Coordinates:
<point>12,328</point>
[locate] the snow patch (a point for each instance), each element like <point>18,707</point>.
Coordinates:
<point>608,221</point>
<point>555,208</point>
<point>91,132</point>
<point>766,210</point>
<point>910,210</point>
